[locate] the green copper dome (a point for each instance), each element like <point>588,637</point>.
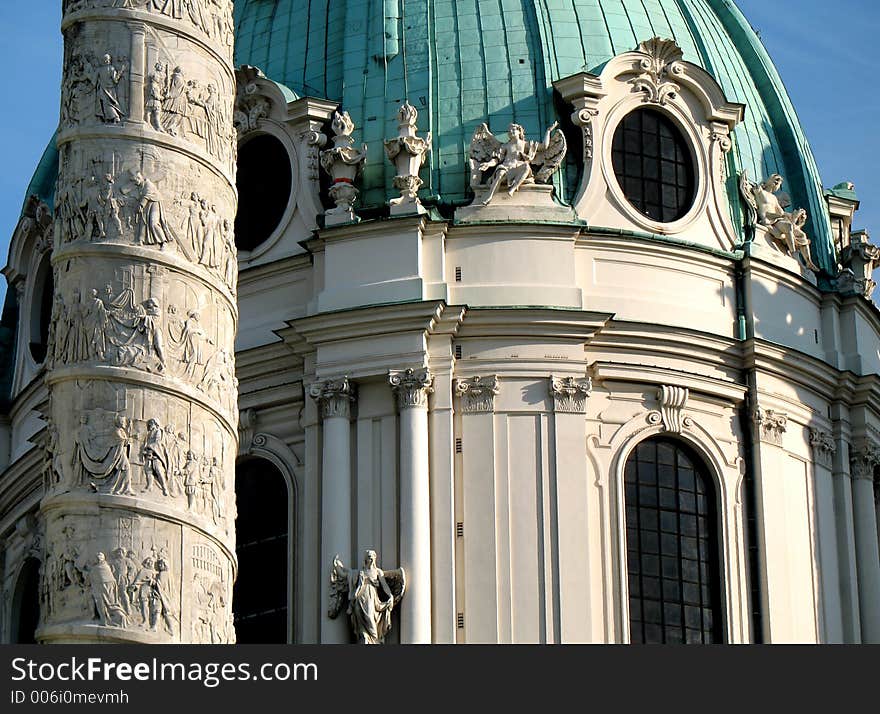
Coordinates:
<point>463,62</point>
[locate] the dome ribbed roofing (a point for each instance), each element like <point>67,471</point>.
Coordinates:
<point>463,62</point>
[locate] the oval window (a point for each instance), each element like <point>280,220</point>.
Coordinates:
<point>654,165</point>
<point>264,181</point>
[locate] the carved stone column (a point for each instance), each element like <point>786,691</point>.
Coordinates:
<point>141,434</point>
<point>863,459</point>
<point>335,397</point>
<point>412,386</point>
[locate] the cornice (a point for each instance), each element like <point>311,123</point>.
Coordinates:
<point>728,390</point>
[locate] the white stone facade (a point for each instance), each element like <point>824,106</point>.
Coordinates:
<point>462,396</point>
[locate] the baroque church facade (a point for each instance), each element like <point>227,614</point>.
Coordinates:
<point>435,322</point>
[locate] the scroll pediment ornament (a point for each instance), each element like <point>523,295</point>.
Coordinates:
<point>570,394</point>
<point>864,457</point>
<point>766,211</point>
<point>771,425</point>
<point>250,105</point>
<point>659,66</point>
<point>369,596</point>
<point>823,446</point>
<point>672,403</point>
<point>477,394</point>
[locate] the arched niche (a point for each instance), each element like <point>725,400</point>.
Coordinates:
<point>26,604</point>
<point>263,595</point>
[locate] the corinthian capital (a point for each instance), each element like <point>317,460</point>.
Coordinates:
<point>334,396</point>
<point>412,386</point>
<point>863,459</point>
<point>570,394</point>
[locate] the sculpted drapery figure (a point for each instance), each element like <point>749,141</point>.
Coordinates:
<point>107,77</point>
<point>110,470</point>
<point>494,163</point>
<point>105,594</point>
<point>371,593</point>
<point>152,228</point>
<point>766,209</point>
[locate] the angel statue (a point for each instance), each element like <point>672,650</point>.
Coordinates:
<point>372,593</point>
<point>511,163</point>
<point>766,207</point>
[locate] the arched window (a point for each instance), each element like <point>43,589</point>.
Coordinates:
<point>26,604</point>
<point>672,546</point>
<point>654,165</point>
<point>264,182</point>
<point>261,594</point>
<point>41,311</point>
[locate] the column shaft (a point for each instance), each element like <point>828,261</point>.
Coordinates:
<point>334,398</point>
<point>412,388</point>
<point>139,507</point>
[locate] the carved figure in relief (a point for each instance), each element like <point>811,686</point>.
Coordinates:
<point>109,206</point>
<point>231,273</point>
<point>107,77</point>
<point>175,447</point>
<point>162,597</point>
<point>155,455</point>
<point>142,590</point>
<point>211,487</point>
<point>176,102</point>
<point>155,96</point>
<point>110,470</point>
<point>152,228</point>
<point>766,207</point>
<point>171,8</point>
<point>124,570</point>
<point>103,587</point>
<point>191,479</point>
<point>97,321</point>
<point>510,163</point>
<point>371,594</point>
<point>191,339</point>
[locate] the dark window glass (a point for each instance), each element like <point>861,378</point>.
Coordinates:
<point>260,595</point>
<point>653,165</point>
<point>264,183</point>
<point>42,312</point>
<point>672,546</point>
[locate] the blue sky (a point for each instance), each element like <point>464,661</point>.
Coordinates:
<point>823,50</point>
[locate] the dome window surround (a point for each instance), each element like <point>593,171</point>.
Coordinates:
<point>654,165</point>
<point>266,184</point>
<point>655,78</point>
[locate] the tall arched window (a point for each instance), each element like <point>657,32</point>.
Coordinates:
<point>41,311</point>
<point>26,604</point>
<point>672,546</point>
<point>261,593</point>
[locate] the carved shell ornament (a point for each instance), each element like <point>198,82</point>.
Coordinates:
<point>661,63</point>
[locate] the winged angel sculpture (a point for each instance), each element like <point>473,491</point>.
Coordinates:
<point>514,162</point>
<point>766,206</point>
<point>371,593</point>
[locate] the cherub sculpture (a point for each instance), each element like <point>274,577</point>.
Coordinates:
<point>511,163</point>
<point>766,207</point>
<point>371,593</point>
